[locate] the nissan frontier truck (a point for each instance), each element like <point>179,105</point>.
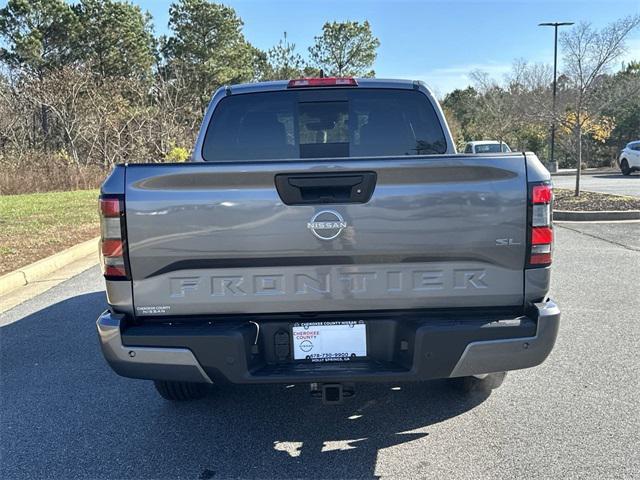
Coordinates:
<point>326,232</point>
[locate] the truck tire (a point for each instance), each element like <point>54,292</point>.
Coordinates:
<point>624,167</point>
<point>474,384</point>
<point>181,391</point>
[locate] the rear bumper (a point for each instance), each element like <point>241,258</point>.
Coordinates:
<point>417,346</point>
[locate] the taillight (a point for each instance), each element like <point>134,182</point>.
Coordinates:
<point>323,82</point>
<point>541,228</point>
<point>541,236</point>
<point>112,238</point>
<point>541,194</point>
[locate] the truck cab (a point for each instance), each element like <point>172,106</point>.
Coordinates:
<point>326,232</point>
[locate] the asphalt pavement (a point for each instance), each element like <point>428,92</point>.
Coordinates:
<point>65,414</point>
<point>604,182</point>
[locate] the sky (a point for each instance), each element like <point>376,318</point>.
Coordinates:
<point>439,42</point>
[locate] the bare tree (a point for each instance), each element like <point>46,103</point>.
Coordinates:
<point>176,120</point>
<point>61,92</point>
<point>532,82</point>
<point>498,104</point>
<point>588,54</point>
<point>15,122</point>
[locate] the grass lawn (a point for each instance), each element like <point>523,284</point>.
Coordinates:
<point>36,225</point>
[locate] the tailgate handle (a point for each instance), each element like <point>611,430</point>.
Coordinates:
<point>317,189</point>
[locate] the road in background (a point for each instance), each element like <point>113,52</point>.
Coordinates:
<point>65,414</point>
<point>605,182</point>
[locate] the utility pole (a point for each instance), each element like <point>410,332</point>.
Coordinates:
<point>555,26</point>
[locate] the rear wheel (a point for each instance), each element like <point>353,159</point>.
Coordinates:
<point>481,383</point>
<point>624,167</point>
<point>181,391</point>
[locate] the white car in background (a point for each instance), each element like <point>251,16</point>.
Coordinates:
<point>486,146</point>
<point>630,158</point>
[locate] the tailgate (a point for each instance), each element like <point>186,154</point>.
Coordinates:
<point>437,231</point>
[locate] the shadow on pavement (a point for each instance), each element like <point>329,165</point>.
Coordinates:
<point>65,414</point>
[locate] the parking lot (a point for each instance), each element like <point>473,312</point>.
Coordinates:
<point>64,413</point>
<point>605,182</point>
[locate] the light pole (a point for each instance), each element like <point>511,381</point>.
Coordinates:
<point>555,26</point>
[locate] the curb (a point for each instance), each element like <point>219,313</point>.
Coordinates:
<point>31,273</point>
<point>584,216</point>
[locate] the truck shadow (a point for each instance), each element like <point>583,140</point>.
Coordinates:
<point>65,414</point>
<point>282,432</point>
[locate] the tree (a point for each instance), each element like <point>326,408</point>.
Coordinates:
<point>463,107</point>
<point>530,86</point>
<point>16,132</point>
<point>345,49</point>
<point>260,68</point>
<point>62,92</point>
<point>208,48</point>
<point>513,110</point>
<point>455,127</point>
<point>115,38</point>
<point>39,35</point>
<point>501,116</point>
<point>627,113</point>
<point>588,55</point>
<point>284,62</point>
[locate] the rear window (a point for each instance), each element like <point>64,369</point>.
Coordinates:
<point>492,148</point>
<point>323,123</point>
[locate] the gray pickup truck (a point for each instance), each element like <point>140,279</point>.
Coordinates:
<point>326,232</point>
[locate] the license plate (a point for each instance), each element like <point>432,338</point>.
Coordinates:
<point>329,341</point>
